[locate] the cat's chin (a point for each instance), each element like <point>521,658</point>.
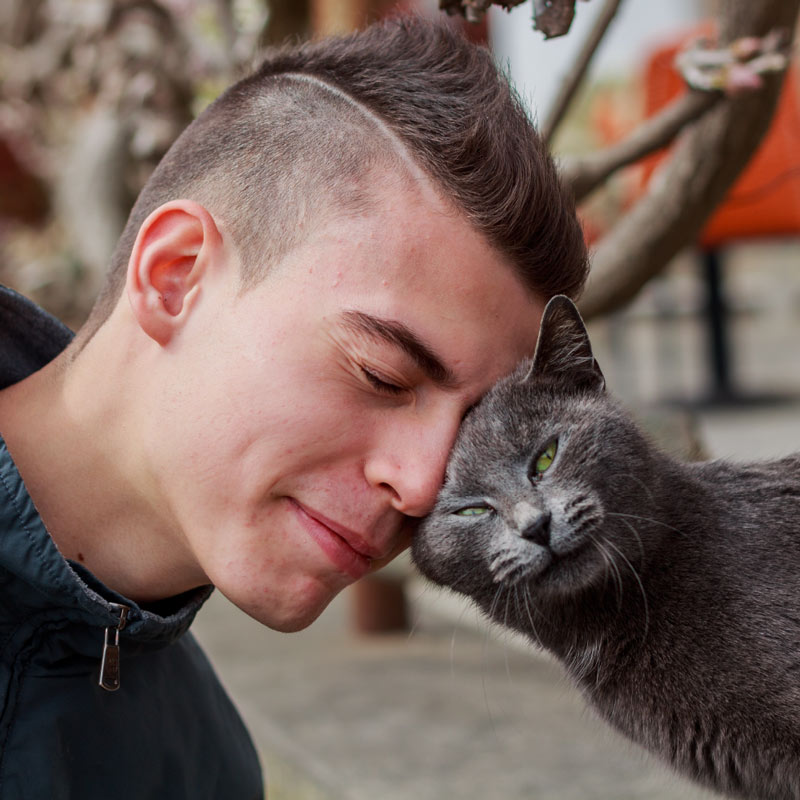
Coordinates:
<point>568,574</point>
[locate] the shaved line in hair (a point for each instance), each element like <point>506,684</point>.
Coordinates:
<point>398,145</point>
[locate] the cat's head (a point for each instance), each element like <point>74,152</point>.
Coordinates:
<point>537,468</point>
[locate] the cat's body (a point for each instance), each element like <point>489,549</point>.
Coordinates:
<point>671,592</point>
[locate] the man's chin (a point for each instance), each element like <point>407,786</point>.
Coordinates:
<point>286,616</point>
<point>291,624</point>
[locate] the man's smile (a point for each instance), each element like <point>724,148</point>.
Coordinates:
<point>348,550</point>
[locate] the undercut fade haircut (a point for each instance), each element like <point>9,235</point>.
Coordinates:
<point>283,149</point>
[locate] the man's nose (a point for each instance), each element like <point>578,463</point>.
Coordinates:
<point>410,464</point>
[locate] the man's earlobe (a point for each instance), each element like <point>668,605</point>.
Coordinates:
<point>173,249</point>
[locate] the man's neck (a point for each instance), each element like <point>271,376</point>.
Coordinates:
<point>87,486</point>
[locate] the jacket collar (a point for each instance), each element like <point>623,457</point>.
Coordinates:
<point>43,578</point>
<point>29,337</point>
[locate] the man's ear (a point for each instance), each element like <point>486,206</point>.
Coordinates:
<point>173,249</point>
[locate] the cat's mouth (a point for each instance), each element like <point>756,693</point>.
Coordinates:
<point>568,559</point>
<point>540,566</point>
<point>566,572</point>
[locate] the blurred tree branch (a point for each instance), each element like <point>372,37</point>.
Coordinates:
<point>577,72</point>
<point>584,174</point>
<point>92,96</point>
<point>711,152</point>
<point>718,125</point>
<point>550,17</point>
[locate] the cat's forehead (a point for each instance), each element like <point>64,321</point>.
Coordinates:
<point>515,401</point>
<point>516,417</point>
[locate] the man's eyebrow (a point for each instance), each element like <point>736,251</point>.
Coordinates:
<point>400,335</point>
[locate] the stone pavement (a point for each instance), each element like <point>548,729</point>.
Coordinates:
<point>445,712</point>
<point>454,710</point>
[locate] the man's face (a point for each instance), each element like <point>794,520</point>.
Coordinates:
<point>308,418</point>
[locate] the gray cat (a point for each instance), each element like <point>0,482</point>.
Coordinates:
<point>669,591</point>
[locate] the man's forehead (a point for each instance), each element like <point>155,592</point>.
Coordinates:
<point>420,273</point>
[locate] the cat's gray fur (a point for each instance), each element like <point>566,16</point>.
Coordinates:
<point>670,591</point>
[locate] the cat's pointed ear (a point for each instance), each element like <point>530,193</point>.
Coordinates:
<point>563,350</point>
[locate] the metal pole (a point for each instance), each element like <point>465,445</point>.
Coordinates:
<point>718,343</point>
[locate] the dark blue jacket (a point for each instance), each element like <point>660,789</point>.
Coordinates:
<point>169,731</point>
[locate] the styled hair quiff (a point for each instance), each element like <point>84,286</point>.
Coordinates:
<point>295,140</point>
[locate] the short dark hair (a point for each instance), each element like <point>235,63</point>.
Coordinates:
<point>300,134</point>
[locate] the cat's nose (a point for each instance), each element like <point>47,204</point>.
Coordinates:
<point>538,531</point>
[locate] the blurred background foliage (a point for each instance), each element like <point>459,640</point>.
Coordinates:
<point>93,92</point>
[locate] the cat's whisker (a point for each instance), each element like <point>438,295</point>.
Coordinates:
<point>503,565</point>
<point>508,632</point>
<point>607,566</point>
<point>528,599</point>
<point>487,632</point>
<point>619,583</point>
<point>633,477</point>
<point>636,535</point>
<point>638,580</point>
<point>423,589</point>
<point>613,569</point>
<point>647,519</point>
<point>508,601</point>
<point>508,567</point>
<point>456,625</point>
<point>493,607</point>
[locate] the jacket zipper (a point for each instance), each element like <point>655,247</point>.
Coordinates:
<point>109,664</point>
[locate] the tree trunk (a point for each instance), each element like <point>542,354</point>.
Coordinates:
<point>706,161</point>
<point>289,20</point>
<point>338,16</point>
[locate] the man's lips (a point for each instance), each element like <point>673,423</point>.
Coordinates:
<point>345,548</point>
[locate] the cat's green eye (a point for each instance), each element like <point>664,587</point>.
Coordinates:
<point>545,459</point>
<point>473,511</point>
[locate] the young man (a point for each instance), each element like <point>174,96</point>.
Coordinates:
<point>329,267</point>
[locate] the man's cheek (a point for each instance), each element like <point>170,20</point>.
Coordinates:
<point>403,543</point>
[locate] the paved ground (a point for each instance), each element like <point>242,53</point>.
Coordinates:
<point>442,713</point>
<point>452,711</point>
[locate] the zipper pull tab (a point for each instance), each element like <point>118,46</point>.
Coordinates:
<point>109,665</point>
